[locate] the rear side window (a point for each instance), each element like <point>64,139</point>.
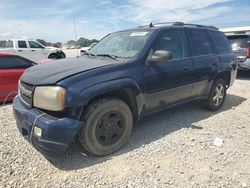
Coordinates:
<point>22,44</point>
<point>201,45</point>
<point>174,41</point>
<point>6,44</point>
<point>239,40</point>
<point>221,42</point>
<point>13,62</point>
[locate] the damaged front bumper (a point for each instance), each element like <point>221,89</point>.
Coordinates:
<point>56,133</point>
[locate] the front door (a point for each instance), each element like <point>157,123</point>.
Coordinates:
<point>172,81</point>
<point>37,51</point>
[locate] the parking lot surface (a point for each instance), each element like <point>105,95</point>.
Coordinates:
<point>173,148</point>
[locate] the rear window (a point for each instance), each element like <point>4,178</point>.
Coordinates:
<point>221,42</point>
<point>239,40</point>
<point>6,44</point>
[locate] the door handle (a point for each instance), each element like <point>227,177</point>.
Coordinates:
<point>214,63</point>
<point>32,50</point>
<point>20,50</point>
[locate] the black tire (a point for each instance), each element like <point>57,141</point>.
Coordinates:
<point>53,56</point>
<point>104,134</point>
<point>215,101</point>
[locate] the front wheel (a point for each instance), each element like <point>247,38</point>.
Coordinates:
<point>108,126</point>
<point>217,95</point>
<point>53,56</point>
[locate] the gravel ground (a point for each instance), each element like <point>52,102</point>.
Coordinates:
<point>170,149</point>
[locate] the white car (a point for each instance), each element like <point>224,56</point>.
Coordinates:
<point>87,48</point>
<point>30,49</point>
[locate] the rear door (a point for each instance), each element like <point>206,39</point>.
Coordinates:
<point>11,69</point>
<point>23,50</point>
<point>172,81</point>
<point>224,51</point>
<point>204,59</point>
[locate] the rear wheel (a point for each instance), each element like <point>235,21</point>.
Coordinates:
<point>108,126</point>
<point>217,95</point>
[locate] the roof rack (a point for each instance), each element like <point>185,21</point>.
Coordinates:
<point>179,24</point>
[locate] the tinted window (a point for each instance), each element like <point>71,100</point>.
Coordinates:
<point>239,40</point>
<point>14,63</point>
<point>6,44</point>
<point>22,44</point>
<point>35,45</point>
<point>200,43</point>
<point>221,42</point>
<point>173,41</point>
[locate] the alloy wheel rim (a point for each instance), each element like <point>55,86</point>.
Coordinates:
<point>218,95</point>
<point>110,128</point>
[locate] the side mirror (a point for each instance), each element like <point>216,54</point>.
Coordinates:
<point>160,55</point>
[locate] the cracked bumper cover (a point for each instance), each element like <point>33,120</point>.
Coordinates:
<point>57,133</point>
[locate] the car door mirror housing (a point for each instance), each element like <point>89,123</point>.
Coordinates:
<point>160,56</point>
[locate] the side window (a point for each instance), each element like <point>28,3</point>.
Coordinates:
<point>174,41</point>
<point>22,44</point>
<point>200,43</point>
<point>13,62</point>
<point>34,44</point>
<point>222,44</point>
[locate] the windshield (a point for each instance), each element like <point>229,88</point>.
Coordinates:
<point>239,40</point>
<point>124,44</point>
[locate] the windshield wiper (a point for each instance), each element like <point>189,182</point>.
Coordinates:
<point>108,55</point>
<point>89,54</point>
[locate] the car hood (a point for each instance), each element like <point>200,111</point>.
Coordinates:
<point>52,48</point>
<point>51,73</point>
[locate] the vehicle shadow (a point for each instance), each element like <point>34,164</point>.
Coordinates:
<point>147,130</point>
<point>243,75</point>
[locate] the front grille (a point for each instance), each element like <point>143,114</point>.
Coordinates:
<point>26,93</point>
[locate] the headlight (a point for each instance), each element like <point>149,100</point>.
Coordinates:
<point>49,98</point>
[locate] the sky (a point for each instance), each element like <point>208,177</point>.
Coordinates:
<point>53,20</point>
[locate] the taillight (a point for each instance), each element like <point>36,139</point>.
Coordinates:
<point>248,52</point>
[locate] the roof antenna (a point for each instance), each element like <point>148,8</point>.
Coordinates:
<point>75,35</point>
<point>151,25</point>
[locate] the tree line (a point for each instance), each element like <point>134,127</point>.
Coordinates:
<point>81,42</point>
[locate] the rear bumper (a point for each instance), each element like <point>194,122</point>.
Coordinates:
<point>245,65</point>
<point>57,133</point>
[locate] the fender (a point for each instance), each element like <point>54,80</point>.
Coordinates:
<point>225,69</point>
<point>103,88</point>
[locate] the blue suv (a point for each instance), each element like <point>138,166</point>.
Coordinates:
<point>129,74</point>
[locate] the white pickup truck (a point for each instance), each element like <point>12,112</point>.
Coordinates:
<point>30,49</point>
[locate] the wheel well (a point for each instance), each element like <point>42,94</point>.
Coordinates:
<point>225,76</point>
<point>52,54</point>
<point>126,95</point>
